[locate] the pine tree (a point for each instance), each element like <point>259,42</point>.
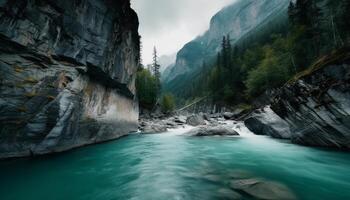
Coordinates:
<point>292,13</point>
<point>345,21</point>
<point>306,24</point>
<point>156,69</point>
<point>224,52</point>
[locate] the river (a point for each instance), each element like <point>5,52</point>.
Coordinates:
<point>174,166</point>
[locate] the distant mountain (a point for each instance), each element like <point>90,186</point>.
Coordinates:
<point>237,20</point>
<point>166,60</point>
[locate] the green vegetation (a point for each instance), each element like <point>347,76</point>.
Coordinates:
<point>167,103</point>
<point>271,56</point>
<point>147,89</point>
<point>31,94</point>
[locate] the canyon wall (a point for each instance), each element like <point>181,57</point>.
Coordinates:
<point>67,74</point>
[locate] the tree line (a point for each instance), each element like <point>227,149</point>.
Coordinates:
<point>148,88</point>
<point>270,57</point>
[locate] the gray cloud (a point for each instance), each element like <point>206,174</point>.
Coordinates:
<point>169,24</point>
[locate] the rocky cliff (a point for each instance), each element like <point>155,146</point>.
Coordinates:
<point>313,109</point>
<point>237,20</point>
<point>67,73</point>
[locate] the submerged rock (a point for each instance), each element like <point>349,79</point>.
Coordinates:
<point>212,131</point>
<point>262,189</point>
<point>228,194</point>
<point>239,174</point>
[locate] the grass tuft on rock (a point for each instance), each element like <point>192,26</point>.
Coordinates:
<point>337,56</point>
<point>31,94</point>
<point>30,80</point>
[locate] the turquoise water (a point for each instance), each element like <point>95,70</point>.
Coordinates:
<point>175,167</point>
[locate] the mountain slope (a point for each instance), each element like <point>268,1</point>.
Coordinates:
<point>165,61</point>
<point>238,20</point>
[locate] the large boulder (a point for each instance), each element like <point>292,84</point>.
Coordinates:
<point>228,115</point>
<point>180,119</point>
<point>196,120</point>
<point>262,189</point>
<point>266,122</point>
<point>212,131</point>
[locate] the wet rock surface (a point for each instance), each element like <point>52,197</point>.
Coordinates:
<point>213,131</point>
<point>67,72</point>
<point>160,125</point>
<point>154,128</point>
<point>195,120</point>
<point>266,122</point>
<point>317,107</point>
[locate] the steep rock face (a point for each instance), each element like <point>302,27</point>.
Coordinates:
<point>236,20</point>
<point>315,107</point>
<point>67,73</point>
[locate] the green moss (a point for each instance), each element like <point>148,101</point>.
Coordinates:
<point>22,109</point>
<point>19,70</point>
<point>30,80</point>
<point>245,106</point>
<point>20,85</point>
<point>31,94</point>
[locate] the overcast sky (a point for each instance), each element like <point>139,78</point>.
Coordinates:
<point>169,24</point>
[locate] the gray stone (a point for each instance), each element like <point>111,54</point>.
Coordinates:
<point>154,129</point>
<point>228,115</point>
<point>180,119</point>
<point>267,122</point>
<point>212,131</point>
<point>195,120</point>
<point>262,189</point>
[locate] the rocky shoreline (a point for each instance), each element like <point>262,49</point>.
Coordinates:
<point>202,124</point>
<point>313,110</point>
